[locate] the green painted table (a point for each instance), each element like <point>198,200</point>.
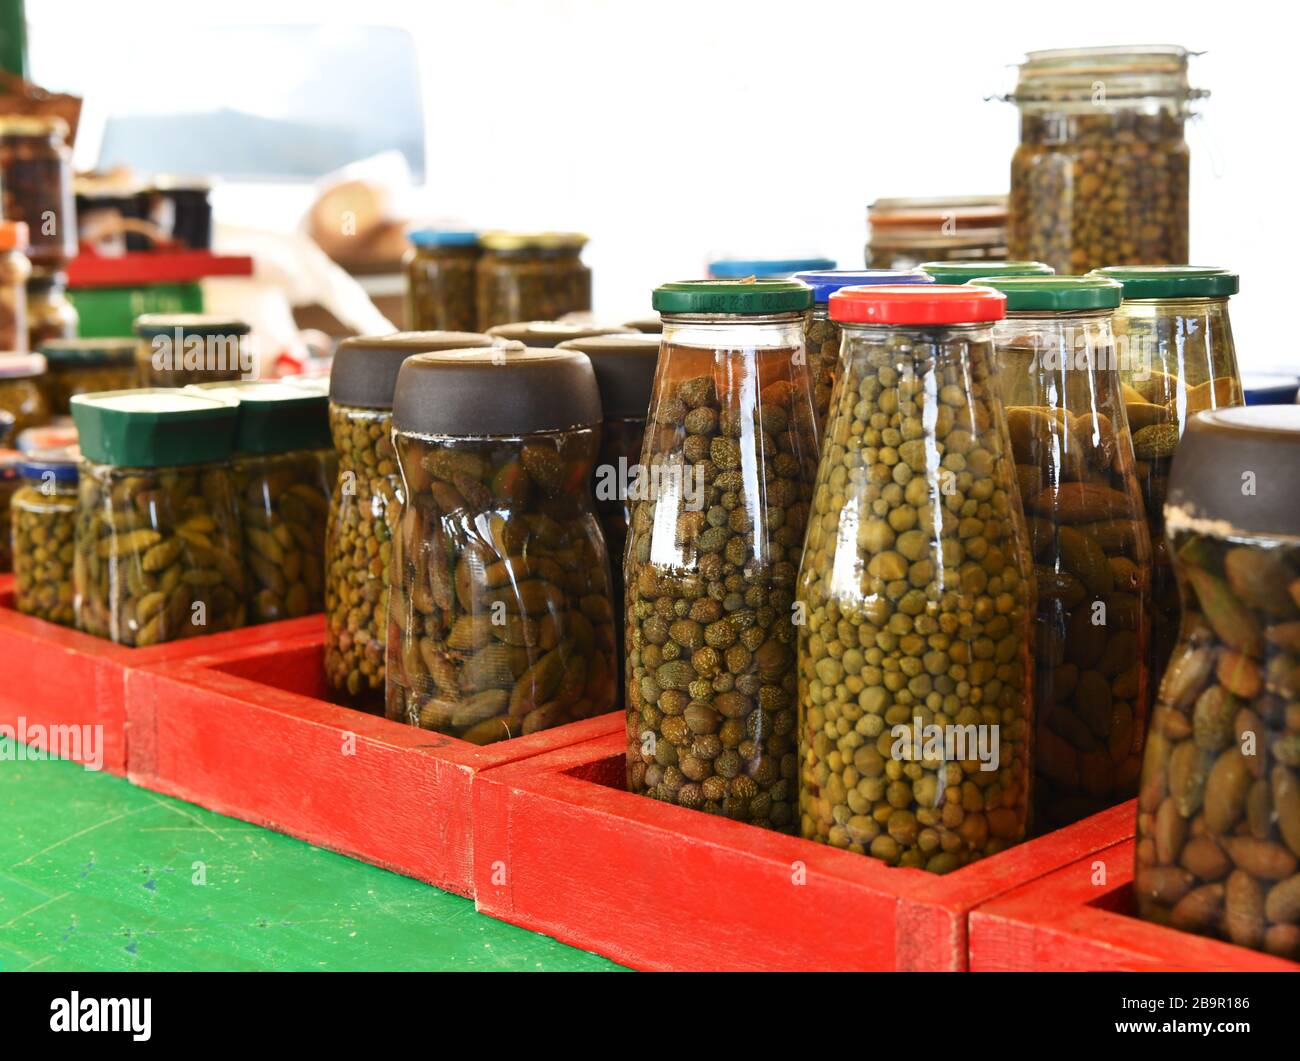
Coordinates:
<point>98,874</point>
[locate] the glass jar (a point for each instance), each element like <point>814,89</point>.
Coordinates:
<point>84,366</point>
<point>14,271</point>
<point>1101,173</point>
<point>905,232</point>
<point>10,461</point>
<point>44,514</point>
<point>963,272</point>
<point>158,548</point>
<point>1177,359</point>
<point>284,468</point>
<point>821,335</point>
<point>765,268</point>
<point>531,277</point>
<point>915,594</point>
<point>50,313</point>
<point>22,390</point>
<point>182,349</point>
<point>363,506</point>
<point>713,550</point>
<point>1059,380</point>
<point>501,619</point>
<point>625,370</point>
<point>36,176</point>
<point>441,267</point>
<point>1218,832</point>
<point>547,334</point>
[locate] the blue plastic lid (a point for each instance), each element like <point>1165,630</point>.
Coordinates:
<point>1270,388</point>
<point>765,268</point>
<point>442,237</point>
<point>825,282</point>
<point>60,464</point>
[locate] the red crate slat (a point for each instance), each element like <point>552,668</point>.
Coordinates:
<point>55,676</point>
<point>562,848</point>
<point>249,733</point>
<point>1074,920</point>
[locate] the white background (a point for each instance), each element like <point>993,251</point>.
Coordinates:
<point>673,130</point>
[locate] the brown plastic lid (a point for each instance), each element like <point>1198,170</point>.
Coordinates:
<point>552,333</point>
<point>1234,473</point>
<point>506,391</point>
<point>364,371</point>
<point>625,371</point>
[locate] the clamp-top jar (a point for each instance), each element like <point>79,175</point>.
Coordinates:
<point>531,277</point>
<point>441,271</point>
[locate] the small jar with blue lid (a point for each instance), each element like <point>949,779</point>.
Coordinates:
<point>822,335</point>
<point>440,280</point>
<point>44,517</point>
<point>765,268</point>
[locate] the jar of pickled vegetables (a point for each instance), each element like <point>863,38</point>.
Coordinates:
<point>22,390</point>
<point>915,595</point>
<point>822,335</point>
<point>10,461</point>
<point>14,271</point>
<point>765,268</point>
<point>531,277</point>
<point>50,313</point>
<point>1177,358</point>
<point>1218,832</point>
<point>158,546</point>
<point>441,268</point>
<point>713,550</point>
<point>83,366</point>
<point>903,232</point>
<point>44,515</point>
<point>1101,173</point>
<point>961,271</point>
<point>547,334</point>
<point>363,506</point>
<point>181,349</point>
<point>284,468</point>
<point>1059,381</point>
<point>36,177</point>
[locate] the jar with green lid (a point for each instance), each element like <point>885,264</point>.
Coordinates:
<point>903,232</point>
<point>14,272</point>
<point>915,595</point>
<point>1101,173</point>
<point>36,178</point>
<point>962,271</point>
<point>822,335</point>
<point>363,506</point>
<point>531,277</point>
<point>159,554</point>
<point>180,349</point>
<point>44,516</point>
<point>284,467</point>
<point>547,334</point>
<point>1218,829</point>
<point>625,370</point>
<point>50,313</point>
<point>1059,381</point>
<point>717,527</point>
<point>501,619</point>
<point>441,271</point>
<point>83,366</point>
<point>22,390</point>
<point>1177,358</point>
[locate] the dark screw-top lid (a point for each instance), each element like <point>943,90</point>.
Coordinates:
<point>505,391</point>
<point>364,371</point>
<point>625,371</point>
<point>1234,472</point>
<point>551,333</point>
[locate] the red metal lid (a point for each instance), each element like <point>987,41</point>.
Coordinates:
<point>917,304</point>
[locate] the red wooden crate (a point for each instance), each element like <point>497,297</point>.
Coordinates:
<point>1073,920</point>
<point>54,676</point>
<point>561,848</point>
<point>249,733</point>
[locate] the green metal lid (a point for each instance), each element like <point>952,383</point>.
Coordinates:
<point>274,417</point>
<point>961,272</point>
<point>1054,294</point>
<point>154,427</point>
<point>150,325</point>
<point>1173,281</point>
<point>742,297</point>
<point>79,352</point>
